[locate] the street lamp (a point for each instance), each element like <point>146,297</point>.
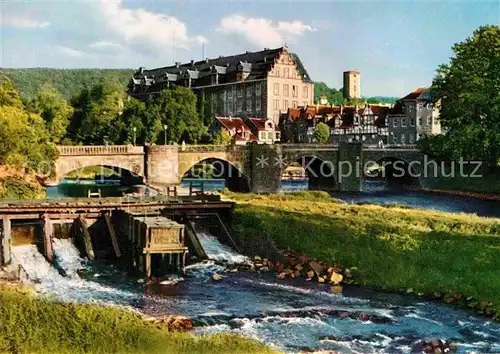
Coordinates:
<point>165,132</point>
<point>134,129</point>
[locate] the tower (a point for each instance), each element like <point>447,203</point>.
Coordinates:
<point>352,87</point>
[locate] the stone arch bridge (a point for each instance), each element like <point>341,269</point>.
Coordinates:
<point>256,168</point>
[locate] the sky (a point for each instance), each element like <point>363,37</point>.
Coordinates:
<point>396,45</point>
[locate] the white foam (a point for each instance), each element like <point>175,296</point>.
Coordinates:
<point>47,280</point>
<point>414,315</point>
<point>218,252</point>
<point>68,257</point>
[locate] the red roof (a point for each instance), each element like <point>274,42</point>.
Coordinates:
<point>413,95</point>
<point>260,123</point>
<point>231,123</point>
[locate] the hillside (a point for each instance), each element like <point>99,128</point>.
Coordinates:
<point>66,81</point>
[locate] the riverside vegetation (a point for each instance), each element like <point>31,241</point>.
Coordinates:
<point>30,324</point>
<point>451,257</point>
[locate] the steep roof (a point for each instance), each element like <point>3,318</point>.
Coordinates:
<point>255,63</point>
<point>415,94</point>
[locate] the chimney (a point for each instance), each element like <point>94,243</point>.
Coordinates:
<point>192,62</point>
<point>141,69</point>
<point>177,64</point>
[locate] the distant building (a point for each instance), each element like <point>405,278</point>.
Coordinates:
<point>249,130</point>
<point>352,84</point>
<point>412,117</point>
<point>254,84</point>
<point>367,125</point>
<point>323,100</point>
<point>347,123</point>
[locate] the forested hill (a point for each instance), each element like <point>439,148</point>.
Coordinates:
<point>67,81</point>
<point>71,81</point>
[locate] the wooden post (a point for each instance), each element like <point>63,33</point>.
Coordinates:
<point>5,241</point>
<point>86,239</point>
<point>148,264</point>
<point>47,238</point>
<point>112,235</point>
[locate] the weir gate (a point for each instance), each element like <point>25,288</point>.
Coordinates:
<point>146,235</point>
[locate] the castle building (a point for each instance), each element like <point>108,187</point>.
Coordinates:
<point>352,86</point>
<point>253,84</point>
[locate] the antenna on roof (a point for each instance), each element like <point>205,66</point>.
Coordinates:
<point>203,50</point>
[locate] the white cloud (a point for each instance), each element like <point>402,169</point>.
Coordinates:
<point>20,22</point>
<point>103,44</point>
<point>70,52</point>
<point>144,30</point>
<point>264,32</point>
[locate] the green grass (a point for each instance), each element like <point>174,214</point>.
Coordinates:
<point>29,324</point>
<point>489,182</point>
<point>393,248</point>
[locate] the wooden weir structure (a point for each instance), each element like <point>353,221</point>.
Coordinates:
<point>145,234</point>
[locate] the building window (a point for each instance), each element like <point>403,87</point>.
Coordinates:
<point>429,120</point>
<point>305,91</point>
<point>276,89</point>
<point>420,121</point>
<point>257,105</point>
<point>230,93</point>
<point>295,104</point>
<point>275,117</point>
<point>294,91</point>
<point>239,106</point>
<point>285,72</point>
<point>249,105</point>
<point>276,105</point>
<point>240,91</point>
<point>403,122</point>
<point>395,139</point>
<point>411,138</point>
<point>410,108</point>
<point>403,139</point>
<point>412,122</point>
<point>436,121</point>
<point>285,105</point>
<point>395,122</point>
<point>257,89</point>
<point>285,90</point>
<point>270,135</point>
<point>420,105</point>
<point>249,91</point>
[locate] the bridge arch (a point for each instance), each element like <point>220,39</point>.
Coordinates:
<point>320,172</point>
<point>219,168</point>
<point>396,171</point>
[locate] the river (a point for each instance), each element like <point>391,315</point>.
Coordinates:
<point>291,315</point>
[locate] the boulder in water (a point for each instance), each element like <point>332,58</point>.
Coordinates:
<point>336,278</point>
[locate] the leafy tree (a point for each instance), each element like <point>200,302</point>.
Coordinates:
<point>24,139</point>
<point>222,137</point>
<point>55,111</point>
<point>177,109</point>
<point>96,111</point>
<point>321,132</point>
<point>468,92</point>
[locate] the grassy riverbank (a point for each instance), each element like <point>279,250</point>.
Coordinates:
<point>29,324</point>
<point>393,248</point>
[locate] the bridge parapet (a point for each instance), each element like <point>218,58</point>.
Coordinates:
<point>100,150</point>
<point>212,148</point>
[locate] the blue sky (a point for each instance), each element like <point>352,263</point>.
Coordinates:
<point>396,45</point>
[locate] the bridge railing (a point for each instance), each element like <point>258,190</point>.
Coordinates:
<point>202,148</point>
<point>100,150</point>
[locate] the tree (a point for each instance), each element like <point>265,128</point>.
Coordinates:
<point>321,132</point>
<point>24,138</point>
<point>333,96</point>
<point>177,109</point>
<point>96,111</point>
<point>467,89</point>
<point>373,100</point>
<point>55,111</point>
<point>222,137</point>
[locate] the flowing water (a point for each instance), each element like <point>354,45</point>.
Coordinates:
<point>291,315</point>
